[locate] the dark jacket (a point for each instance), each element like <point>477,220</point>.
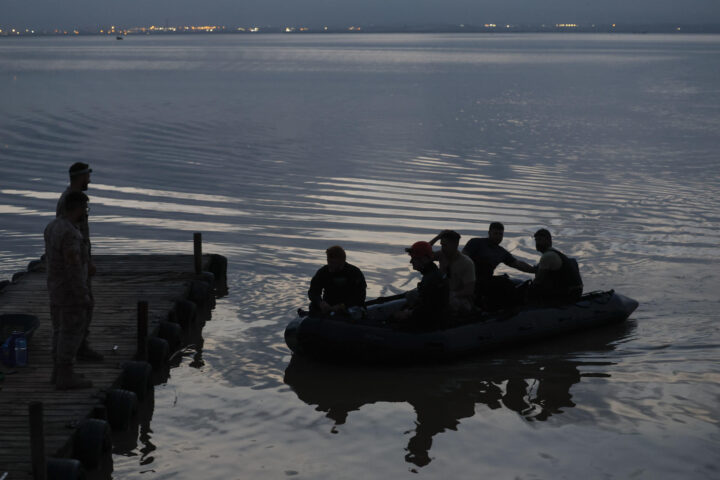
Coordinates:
<point>346,286</point>
<point>433,300</point>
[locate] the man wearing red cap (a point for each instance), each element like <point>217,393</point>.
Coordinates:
<point>433,294</point>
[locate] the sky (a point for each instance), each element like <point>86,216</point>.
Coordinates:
<point>126,13</point>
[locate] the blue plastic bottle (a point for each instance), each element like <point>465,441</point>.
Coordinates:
<point>21,351</point>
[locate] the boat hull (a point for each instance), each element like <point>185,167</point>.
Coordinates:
<point>340,340</point>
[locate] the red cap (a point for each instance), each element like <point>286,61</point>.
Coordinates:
<point>420,249</point>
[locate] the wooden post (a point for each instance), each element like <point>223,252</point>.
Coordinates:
<point>142,329</point>
<point>197,244</point>
<point>37,441</point>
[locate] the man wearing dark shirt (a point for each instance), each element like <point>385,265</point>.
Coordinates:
<point>433,291</point>
<point>336,286</point>
<point>487,254</point>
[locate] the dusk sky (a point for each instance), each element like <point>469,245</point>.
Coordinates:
<point>80,13</point>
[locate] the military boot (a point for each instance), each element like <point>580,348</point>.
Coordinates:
<point>53,375</point>
<point>67,379</point>
<point>87,354</point>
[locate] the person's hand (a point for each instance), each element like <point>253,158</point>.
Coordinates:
<point>339,308</point>
<point>325,307</point>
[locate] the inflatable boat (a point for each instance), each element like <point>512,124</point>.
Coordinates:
<point>373,338</point>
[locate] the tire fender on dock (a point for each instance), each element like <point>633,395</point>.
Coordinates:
<point>121,408</point>
<point>91,442</point>
<point>64,469</point>
<point>137,377</point>
<point>158,352</point>
<point>172,333</point>
<point>184,313</point>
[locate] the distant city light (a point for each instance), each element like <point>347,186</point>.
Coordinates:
<point>8,30</point>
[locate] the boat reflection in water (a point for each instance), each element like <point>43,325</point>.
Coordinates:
<point>534,382</point>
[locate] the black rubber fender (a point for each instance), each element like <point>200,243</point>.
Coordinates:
<point>91,442</point>
<point>64,469</point>
<point>184,312</point>
<point>172,333</point>
<point>208,277</point>
<point>121,407</point>
<point>137,377</point>
<point>218,266</point>
<point>158,352</point>
<point>201,292</point>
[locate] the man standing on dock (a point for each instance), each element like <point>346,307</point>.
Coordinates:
<point>79,180</point>
<point>68,260</point>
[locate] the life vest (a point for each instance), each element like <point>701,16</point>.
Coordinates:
<point>566,280</point>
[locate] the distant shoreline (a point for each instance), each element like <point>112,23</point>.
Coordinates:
<point>369,29</point>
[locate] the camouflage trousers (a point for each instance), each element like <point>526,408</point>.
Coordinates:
<point>88,312</point>
<point>69,330</point>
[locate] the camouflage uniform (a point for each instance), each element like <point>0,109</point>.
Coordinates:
<point>85,230</point>
<point>67,259</point>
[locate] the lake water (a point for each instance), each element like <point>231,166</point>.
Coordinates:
<point>276,147</point>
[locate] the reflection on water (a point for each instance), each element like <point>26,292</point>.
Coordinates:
<point>535,387</point>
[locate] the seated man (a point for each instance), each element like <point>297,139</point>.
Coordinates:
<point>336,286</point>
<point>487,254</point>
<point>459,270</point>
<point>428,310</point>
<point>557,278</point>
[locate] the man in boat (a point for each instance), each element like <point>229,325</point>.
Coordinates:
<point>337,285</point>
<point>486,253</point>
<point>458,269</point>
<point>79,180</point>
<point>429,307</point>
<point>68,259</point>
<point>557,279</point>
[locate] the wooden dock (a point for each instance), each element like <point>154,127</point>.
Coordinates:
<point>120,283</point>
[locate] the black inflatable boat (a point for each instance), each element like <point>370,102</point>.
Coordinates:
<point>372,339</point>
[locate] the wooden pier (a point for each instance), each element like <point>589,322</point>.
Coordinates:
<point>121,287</point>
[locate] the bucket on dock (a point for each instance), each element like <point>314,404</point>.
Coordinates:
<point>15,333</point>
<point>13,351</point>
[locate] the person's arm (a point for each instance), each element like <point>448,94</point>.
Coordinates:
<point>436,237</point>
<point>316,290</point>
<point>361,289</point>
<point>522,266</point>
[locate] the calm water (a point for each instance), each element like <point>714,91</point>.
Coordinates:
<point>276,147</point>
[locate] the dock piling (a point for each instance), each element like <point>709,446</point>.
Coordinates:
<point>37,441</point>
<point>142,329</point>
<point>197,249</point>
